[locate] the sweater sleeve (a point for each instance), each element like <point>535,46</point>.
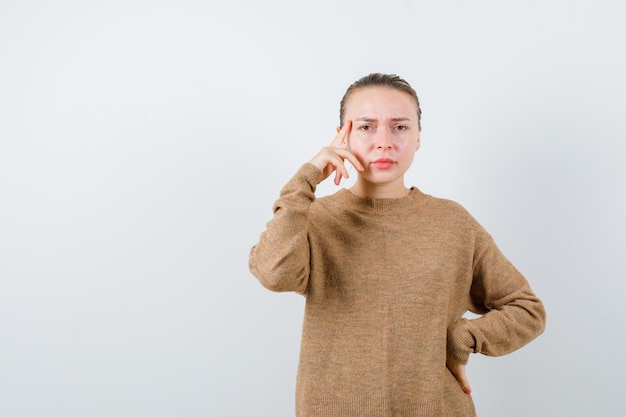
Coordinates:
<point>512,315</point>
<point>280,260</point>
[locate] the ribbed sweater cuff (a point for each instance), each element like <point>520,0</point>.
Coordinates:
<point>308,174</point>
<point>460,341</point>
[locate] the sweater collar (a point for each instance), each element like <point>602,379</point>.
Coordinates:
<point>381,205</point>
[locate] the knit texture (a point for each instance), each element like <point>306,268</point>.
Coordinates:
<point>387,282</point>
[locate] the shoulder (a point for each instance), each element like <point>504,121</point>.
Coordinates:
<point>333,202</point>
<point>444,206</point>
<point>449,214</point>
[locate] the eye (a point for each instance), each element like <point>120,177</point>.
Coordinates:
<point>401,127</point>
<point>365,127</point>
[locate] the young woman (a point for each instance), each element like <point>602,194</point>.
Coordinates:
<point>388,273</point>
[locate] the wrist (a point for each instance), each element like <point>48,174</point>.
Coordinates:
<point>460,341</point>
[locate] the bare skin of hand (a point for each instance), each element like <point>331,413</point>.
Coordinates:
<point>459,372</point>
<point>331,158</point>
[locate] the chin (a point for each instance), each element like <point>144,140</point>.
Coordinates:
<point>382,179</point>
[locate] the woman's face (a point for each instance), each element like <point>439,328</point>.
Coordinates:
<point>384,134</point>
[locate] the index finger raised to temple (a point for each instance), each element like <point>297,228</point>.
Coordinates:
<point>342,135</point>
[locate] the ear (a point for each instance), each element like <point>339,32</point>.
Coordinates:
<point>419,141</point>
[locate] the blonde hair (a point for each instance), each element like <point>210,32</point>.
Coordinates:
<point>383,80</point>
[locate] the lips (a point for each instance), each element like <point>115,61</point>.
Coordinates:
<point>384,163</point>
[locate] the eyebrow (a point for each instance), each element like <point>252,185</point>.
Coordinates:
<point>371,119</point>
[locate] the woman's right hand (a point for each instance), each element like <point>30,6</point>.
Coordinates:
<point>331,158</point>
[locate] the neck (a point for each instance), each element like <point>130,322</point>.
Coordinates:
<point>394,189</point>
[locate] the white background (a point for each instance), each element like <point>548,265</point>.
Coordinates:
<point>142,144</point>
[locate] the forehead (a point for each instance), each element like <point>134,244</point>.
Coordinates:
<point>380,101</point>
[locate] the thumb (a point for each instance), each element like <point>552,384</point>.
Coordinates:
<point>465,385</point>
<point>459,372</point>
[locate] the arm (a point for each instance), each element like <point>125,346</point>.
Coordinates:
<point>512,315</point>
<point>280,260</point>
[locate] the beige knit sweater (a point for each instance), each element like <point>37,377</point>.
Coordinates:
<point>387,282</point>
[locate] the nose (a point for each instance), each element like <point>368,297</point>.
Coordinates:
<point>384,140</point>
